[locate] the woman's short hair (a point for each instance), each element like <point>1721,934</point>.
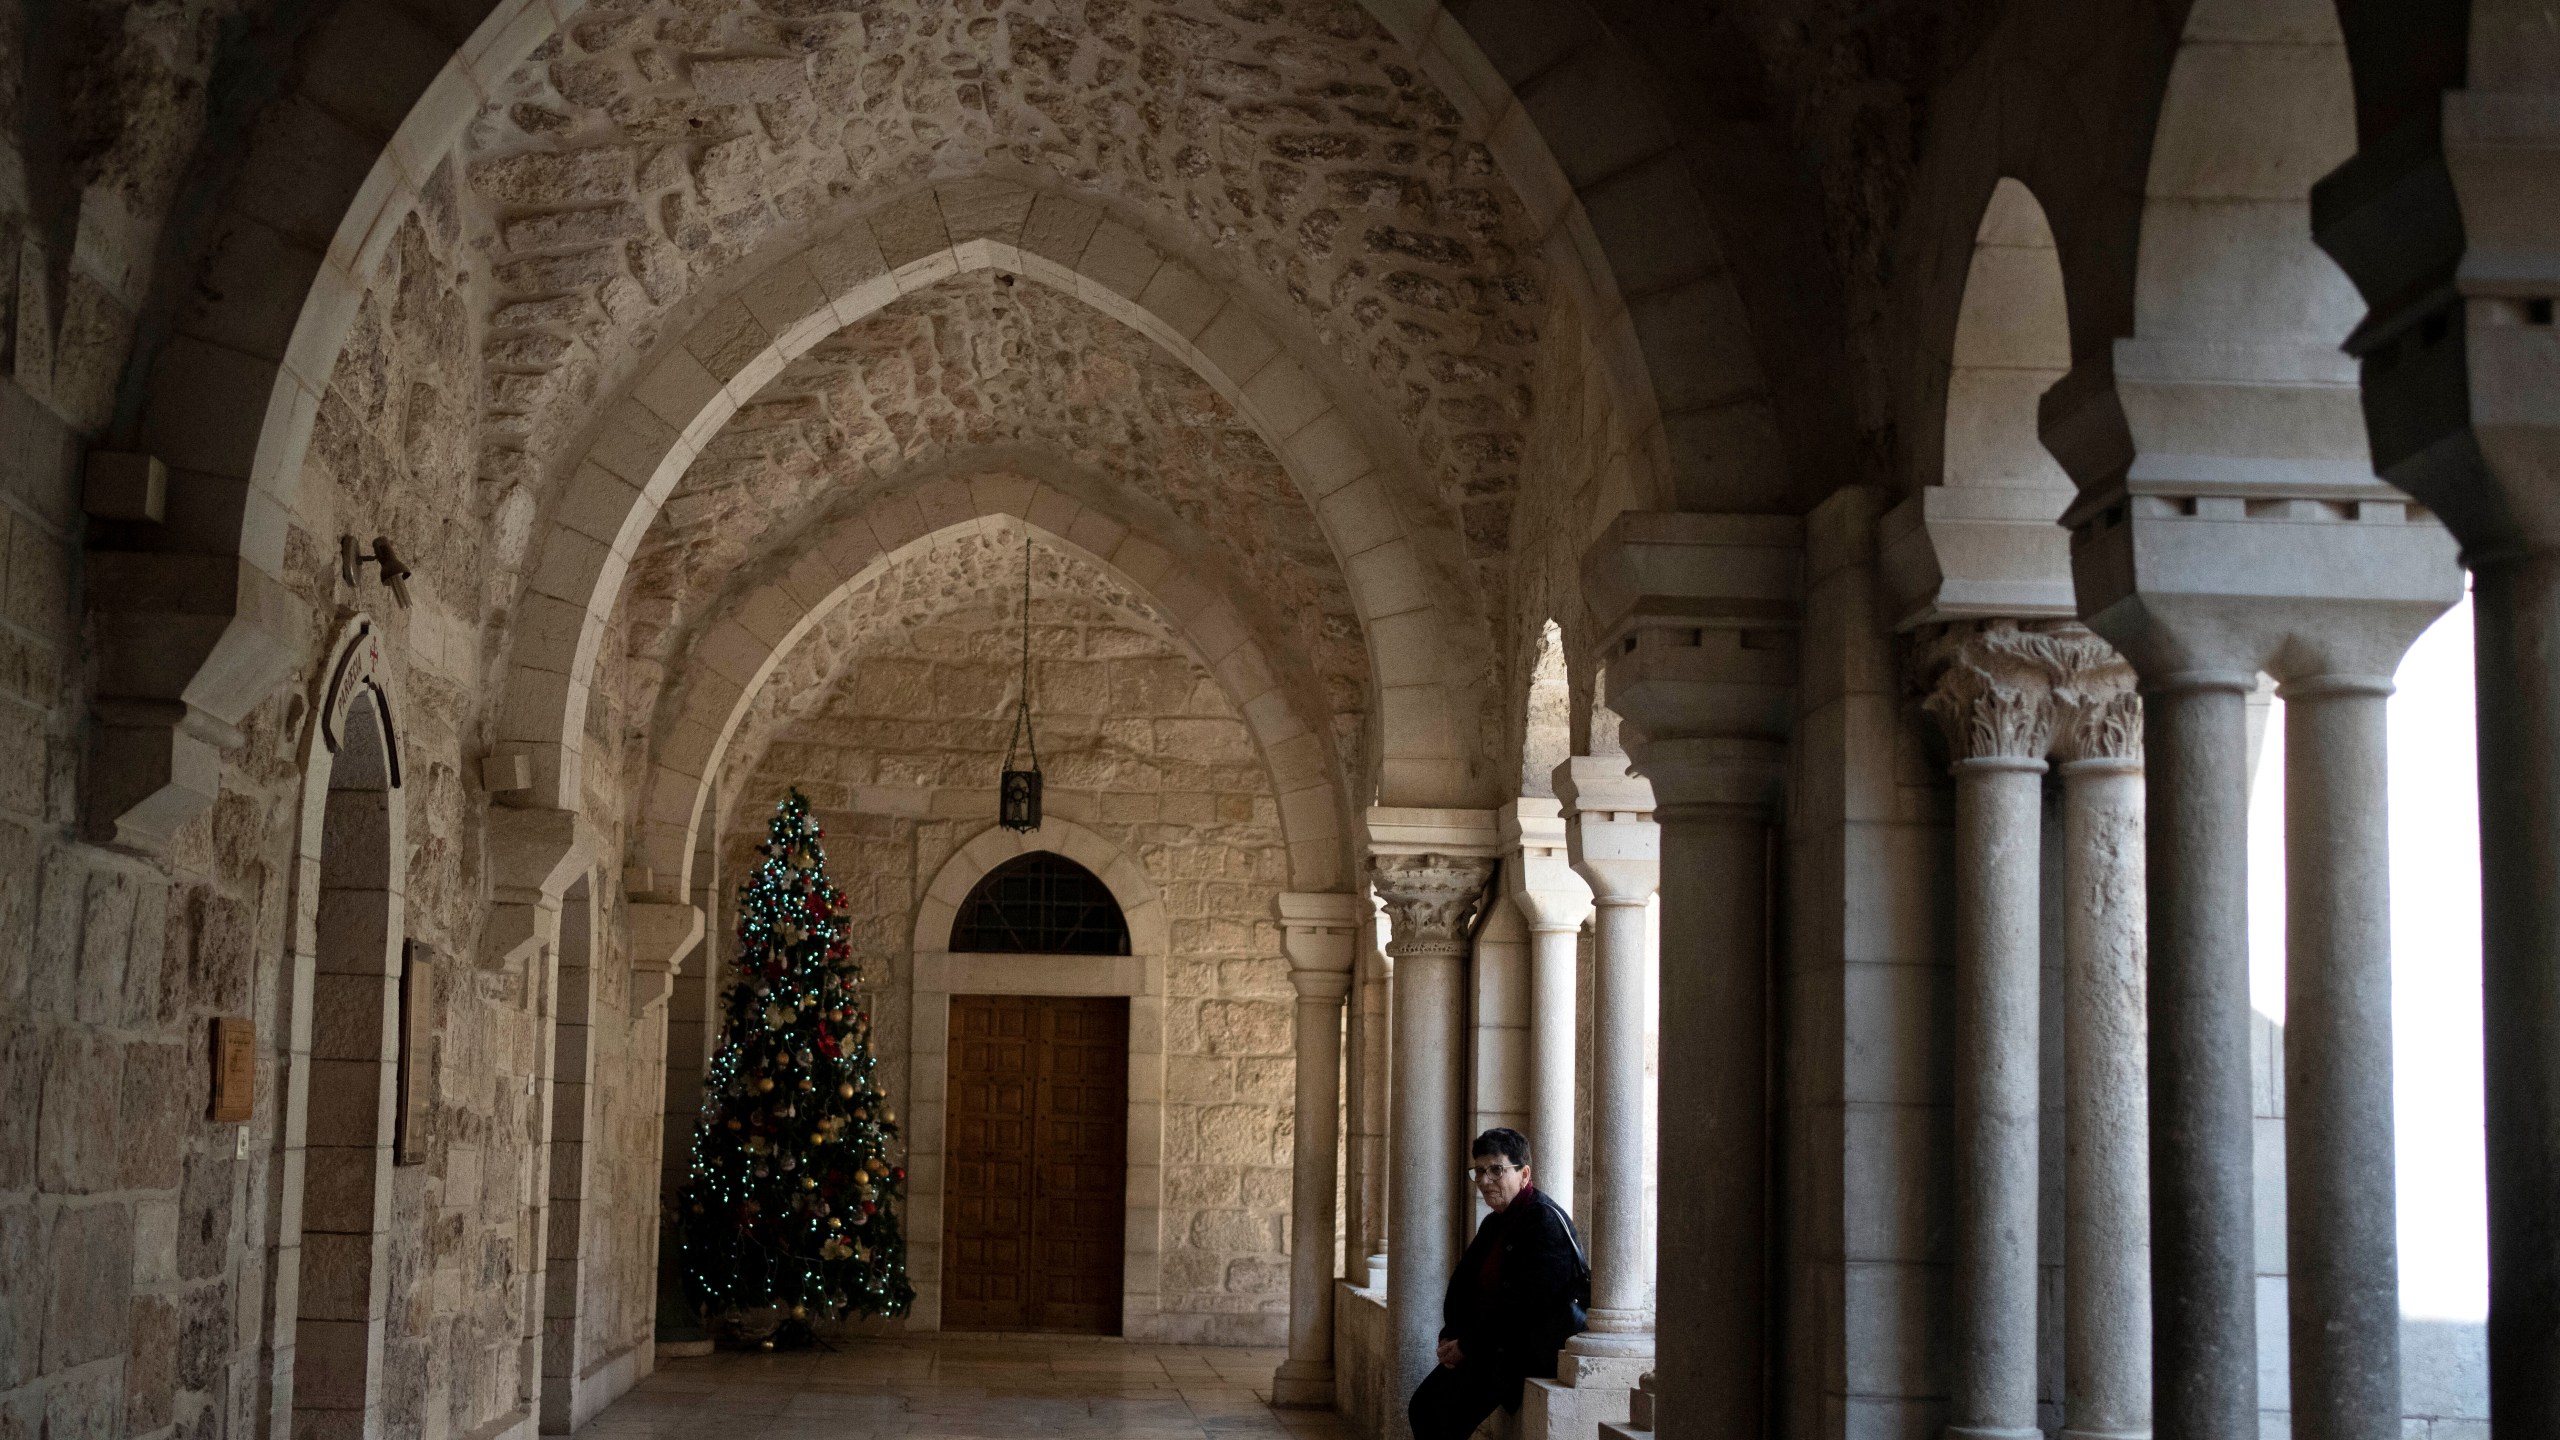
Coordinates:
<point>1504,1141</point>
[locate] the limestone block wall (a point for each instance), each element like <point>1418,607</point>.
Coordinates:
<point>1139,744</point>
<point>1866,999</point>
<point>138,1279</point>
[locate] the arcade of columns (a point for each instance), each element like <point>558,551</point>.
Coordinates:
<point>1927,428</point>
<point>2160,1328</point>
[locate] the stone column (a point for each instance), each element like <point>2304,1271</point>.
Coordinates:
<point>2346,574</point>
<point>1538,875</point>
<point>2203,1278</point>
<point>1357,1085</point>
<point>2472,434</point>
<point>1429,868</point>
<point>1698,617</point>
<point>1991,692</point>
<point>1318,930</point>
<point>1375,998</point>
<point>2106,1212</point>
<point>1617,847</point>
<point>2341,1222</point>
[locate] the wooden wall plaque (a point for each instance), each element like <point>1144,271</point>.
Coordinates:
<point>235,1069</point>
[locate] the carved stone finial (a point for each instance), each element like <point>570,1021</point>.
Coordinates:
<point>1431,899</point>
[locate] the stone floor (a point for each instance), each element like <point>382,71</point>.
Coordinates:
<point>963,1387</point>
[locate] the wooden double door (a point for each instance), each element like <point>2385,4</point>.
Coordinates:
<point>1035,1186</point>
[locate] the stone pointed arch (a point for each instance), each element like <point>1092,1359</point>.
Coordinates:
<point>1419,649</point>
<point>1610,177</point>
<point>748,639</point>
<point>2232,378</point>
<point>225,384</point>
<point>329,1243</point>
<point>1984,538</point>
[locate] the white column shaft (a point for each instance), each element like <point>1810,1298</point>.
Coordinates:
<point>1618,1281</point>
<point>2204,1344</point>
<point>1423,1146</point>
<point>2106,1227</point>
<point>1999,830</point>
<point>1554,957</point>
<point>2341,1216</point>
<point>1311,1212</point>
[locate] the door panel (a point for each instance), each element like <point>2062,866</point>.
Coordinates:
<point>1036,1201</point>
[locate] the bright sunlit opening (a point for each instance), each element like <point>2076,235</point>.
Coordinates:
<point>2435,964</point>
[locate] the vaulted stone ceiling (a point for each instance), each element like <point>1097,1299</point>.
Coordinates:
<point>640,159</point>
<point>985,364</point>
<point>978,573</point>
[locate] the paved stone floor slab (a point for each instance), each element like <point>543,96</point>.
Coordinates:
<point>966,1387</point>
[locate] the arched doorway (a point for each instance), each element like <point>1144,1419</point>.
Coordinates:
<point>1038,1073</point>
<point>348,945</point>
<point>1034,1206</point>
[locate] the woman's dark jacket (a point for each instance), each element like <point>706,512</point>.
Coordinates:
<point>1517,1322</point>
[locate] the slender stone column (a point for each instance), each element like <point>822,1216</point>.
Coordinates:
<point>1538,876</point>
<point>1432,899</point>
<point>1618,849</point>
<point>2204,1344</point>
<point>2342,1250</point>
<point>1698,617</point>
<point>1318,930</point>
<point>2473,435</point>
<point>1378,1065</point>
<point>2517,615</point>
<point>2106,1212</point>
<point>1991,692</point>
<point>1357,1086</point>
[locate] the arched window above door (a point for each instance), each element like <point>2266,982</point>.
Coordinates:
<point>1040,903</point>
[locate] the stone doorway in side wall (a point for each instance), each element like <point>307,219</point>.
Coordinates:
<point>1035,1208</point>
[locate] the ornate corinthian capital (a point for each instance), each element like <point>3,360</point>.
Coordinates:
<point>2004,688</point>
<point>2099,712</point>
<point>1431,899</point>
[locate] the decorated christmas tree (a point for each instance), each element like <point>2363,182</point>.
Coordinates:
<point>791,1206</point>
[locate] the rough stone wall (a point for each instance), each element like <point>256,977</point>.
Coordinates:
<point>1139,744</point>
<point>133,1233</point>
<point>646,148</point>
<point>101,109</point>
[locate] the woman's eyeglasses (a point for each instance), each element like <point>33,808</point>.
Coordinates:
<point>1481,1173</point>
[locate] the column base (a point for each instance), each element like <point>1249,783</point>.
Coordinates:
<point>1594,1386</point>
<point>2070,1434</point>
<point>1992,1432</point>
<point>1555,1410</point>
<point>1303,1385</point>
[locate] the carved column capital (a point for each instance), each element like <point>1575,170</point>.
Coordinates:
<point>1320,931</point>
<point>1537,871</point>
<point>2021,690</point>
<point>2098,710</point>
<point>1431,898</point>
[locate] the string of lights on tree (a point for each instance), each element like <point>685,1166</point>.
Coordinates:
<point>791,1203</point>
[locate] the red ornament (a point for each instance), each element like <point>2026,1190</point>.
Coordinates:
<point>899,1173</point>
<point>867,1208</point>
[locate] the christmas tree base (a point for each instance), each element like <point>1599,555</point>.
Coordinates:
<point>794,1335</point>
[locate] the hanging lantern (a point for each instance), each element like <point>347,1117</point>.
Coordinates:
<point>1018,793</point>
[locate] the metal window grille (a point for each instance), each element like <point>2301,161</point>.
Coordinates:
<point>1041,904</point>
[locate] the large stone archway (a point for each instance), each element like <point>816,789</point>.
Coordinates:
<point>646,442</point>
<point>228,390</point>
<point>743,648</point>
